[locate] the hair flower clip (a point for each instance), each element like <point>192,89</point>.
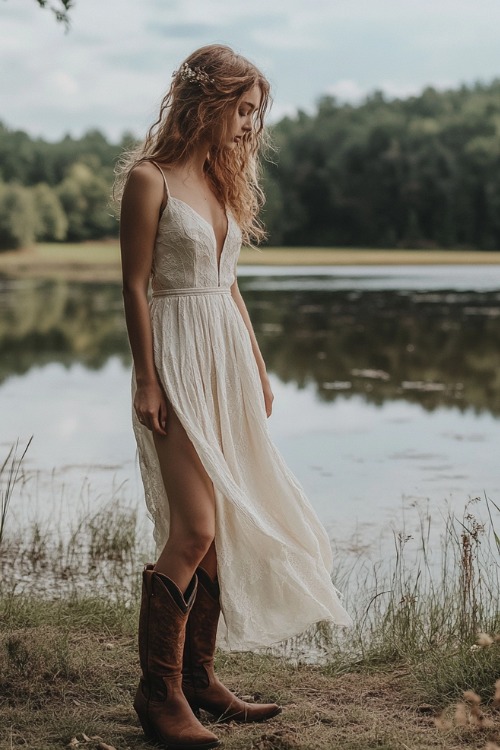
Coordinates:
<point>187,73</point>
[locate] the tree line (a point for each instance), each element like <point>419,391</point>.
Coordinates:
<point>56,191</point>
<point>417,172</point>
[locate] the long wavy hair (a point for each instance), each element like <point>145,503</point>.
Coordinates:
<point>192,110</point>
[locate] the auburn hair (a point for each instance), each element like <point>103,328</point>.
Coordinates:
<point>192,110</point>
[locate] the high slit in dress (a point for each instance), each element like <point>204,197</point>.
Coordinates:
<point>274,557</point>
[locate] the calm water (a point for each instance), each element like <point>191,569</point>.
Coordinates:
<point>386,382</point>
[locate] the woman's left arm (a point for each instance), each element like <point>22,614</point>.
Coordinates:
<point>261,365</point>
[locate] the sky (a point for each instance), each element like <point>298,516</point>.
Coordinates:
<point>111,70</point>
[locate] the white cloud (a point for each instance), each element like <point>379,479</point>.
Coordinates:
<point>347,90</point>
<point>65,82</point>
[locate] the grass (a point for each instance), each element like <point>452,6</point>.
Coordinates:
<point>69,664</point>
<point>69,669</point>
<point>62,682</point>
<point>101,260</point>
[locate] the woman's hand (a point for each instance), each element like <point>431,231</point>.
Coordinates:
<point>150,406</point>
<point>268,394</point>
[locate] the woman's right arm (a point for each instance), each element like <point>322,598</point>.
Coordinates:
<point>140,209</point>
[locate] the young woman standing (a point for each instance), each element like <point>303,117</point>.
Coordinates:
<point>234,531</point>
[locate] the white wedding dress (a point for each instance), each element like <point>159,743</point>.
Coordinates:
<point>274,555</point>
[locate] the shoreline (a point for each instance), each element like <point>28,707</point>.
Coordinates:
<point>100,261</point>
<point>425,641</point>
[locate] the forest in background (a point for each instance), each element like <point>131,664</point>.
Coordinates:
<point>420,172</point>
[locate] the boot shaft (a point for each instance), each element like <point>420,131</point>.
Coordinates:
<point>162,623</point>
<point>201,630</point>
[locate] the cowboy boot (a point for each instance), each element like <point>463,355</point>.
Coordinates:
<point>200,684</point>
<point>162,708</point>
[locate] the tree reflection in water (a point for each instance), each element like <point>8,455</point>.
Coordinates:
<point>433,348</point>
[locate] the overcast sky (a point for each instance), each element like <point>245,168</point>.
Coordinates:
<point>112,68</point>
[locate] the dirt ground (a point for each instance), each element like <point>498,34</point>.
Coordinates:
<point>61,687</point>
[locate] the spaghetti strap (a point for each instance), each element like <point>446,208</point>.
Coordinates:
<point>163,175</point>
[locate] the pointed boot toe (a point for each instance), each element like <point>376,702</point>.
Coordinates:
<point>201,686</point>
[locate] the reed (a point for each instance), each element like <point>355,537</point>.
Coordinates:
<point>9,474</point>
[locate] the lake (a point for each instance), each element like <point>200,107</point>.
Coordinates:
<point>386,383</point>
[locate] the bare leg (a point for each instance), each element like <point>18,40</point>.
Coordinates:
<point>192,505</point>
<point>209,562</point>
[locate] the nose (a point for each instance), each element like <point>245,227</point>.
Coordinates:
<point>247,125</point>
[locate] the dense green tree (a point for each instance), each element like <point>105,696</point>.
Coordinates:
<point>30,161</point>
<point>18,219</point>
<point>52,223</point>
<point>420,172</point>
<point>84,196</point>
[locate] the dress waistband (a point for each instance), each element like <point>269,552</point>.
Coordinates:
<point>191,290</point>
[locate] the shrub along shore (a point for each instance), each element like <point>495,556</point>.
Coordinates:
<point>96,261</point>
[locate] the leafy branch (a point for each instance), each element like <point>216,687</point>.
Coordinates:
<point>61,10</point>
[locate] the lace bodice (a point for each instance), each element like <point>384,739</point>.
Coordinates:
<point>185,253</point>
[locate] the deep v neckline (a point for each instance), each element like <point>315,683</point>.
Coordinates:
<point>218,258</point>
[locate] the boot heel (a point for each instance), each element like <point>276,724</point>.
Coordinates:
<point>148,730</point>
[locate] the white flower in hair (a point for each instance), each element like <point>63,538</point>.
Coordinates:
<point>187,73</point>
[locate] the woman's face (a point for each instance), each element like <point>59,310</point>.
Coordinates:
<point>241,121</point>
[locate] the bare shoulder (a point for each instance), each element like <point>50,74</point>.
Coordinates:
<point>144,187</point>
<point>144,174</point>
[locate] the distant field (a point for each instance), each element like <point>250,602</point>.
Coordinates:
<point>101,260</point>
<point>340,256</point>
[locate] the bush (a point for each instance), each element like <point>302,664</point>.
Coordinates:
<point>52,223</point>
<point>18,218</point>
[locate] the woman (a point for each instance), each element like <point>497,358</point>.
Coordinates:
<point>234,530</point>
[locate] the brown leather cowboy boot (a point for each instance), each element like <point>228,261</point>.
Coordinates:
<point>201,686</point>
<point>160,703</point>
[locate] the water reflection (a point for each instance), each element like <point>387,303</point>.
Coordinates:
<point>429,348</point>
<point>57,321</point>
<point>434,348</point>
<point>387,391</point>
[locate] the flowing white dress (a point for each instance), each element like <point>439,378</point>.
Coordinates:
<point>273,554</point>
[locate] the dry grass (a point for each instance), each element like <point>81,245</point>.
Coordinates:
<point>86,261</point>
<point>93,261</point>
<point>324,256</point>
<point>425,636</point>
<point>59,682</point>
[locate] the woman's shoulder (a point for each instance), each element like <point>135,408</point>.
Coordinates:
<point>145,171</point>
<point>144,185</point>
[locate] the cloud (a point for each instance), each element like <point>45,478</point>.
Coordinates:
<point>180,30</point>
<point>63,81</point>
<point>347,90</point>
